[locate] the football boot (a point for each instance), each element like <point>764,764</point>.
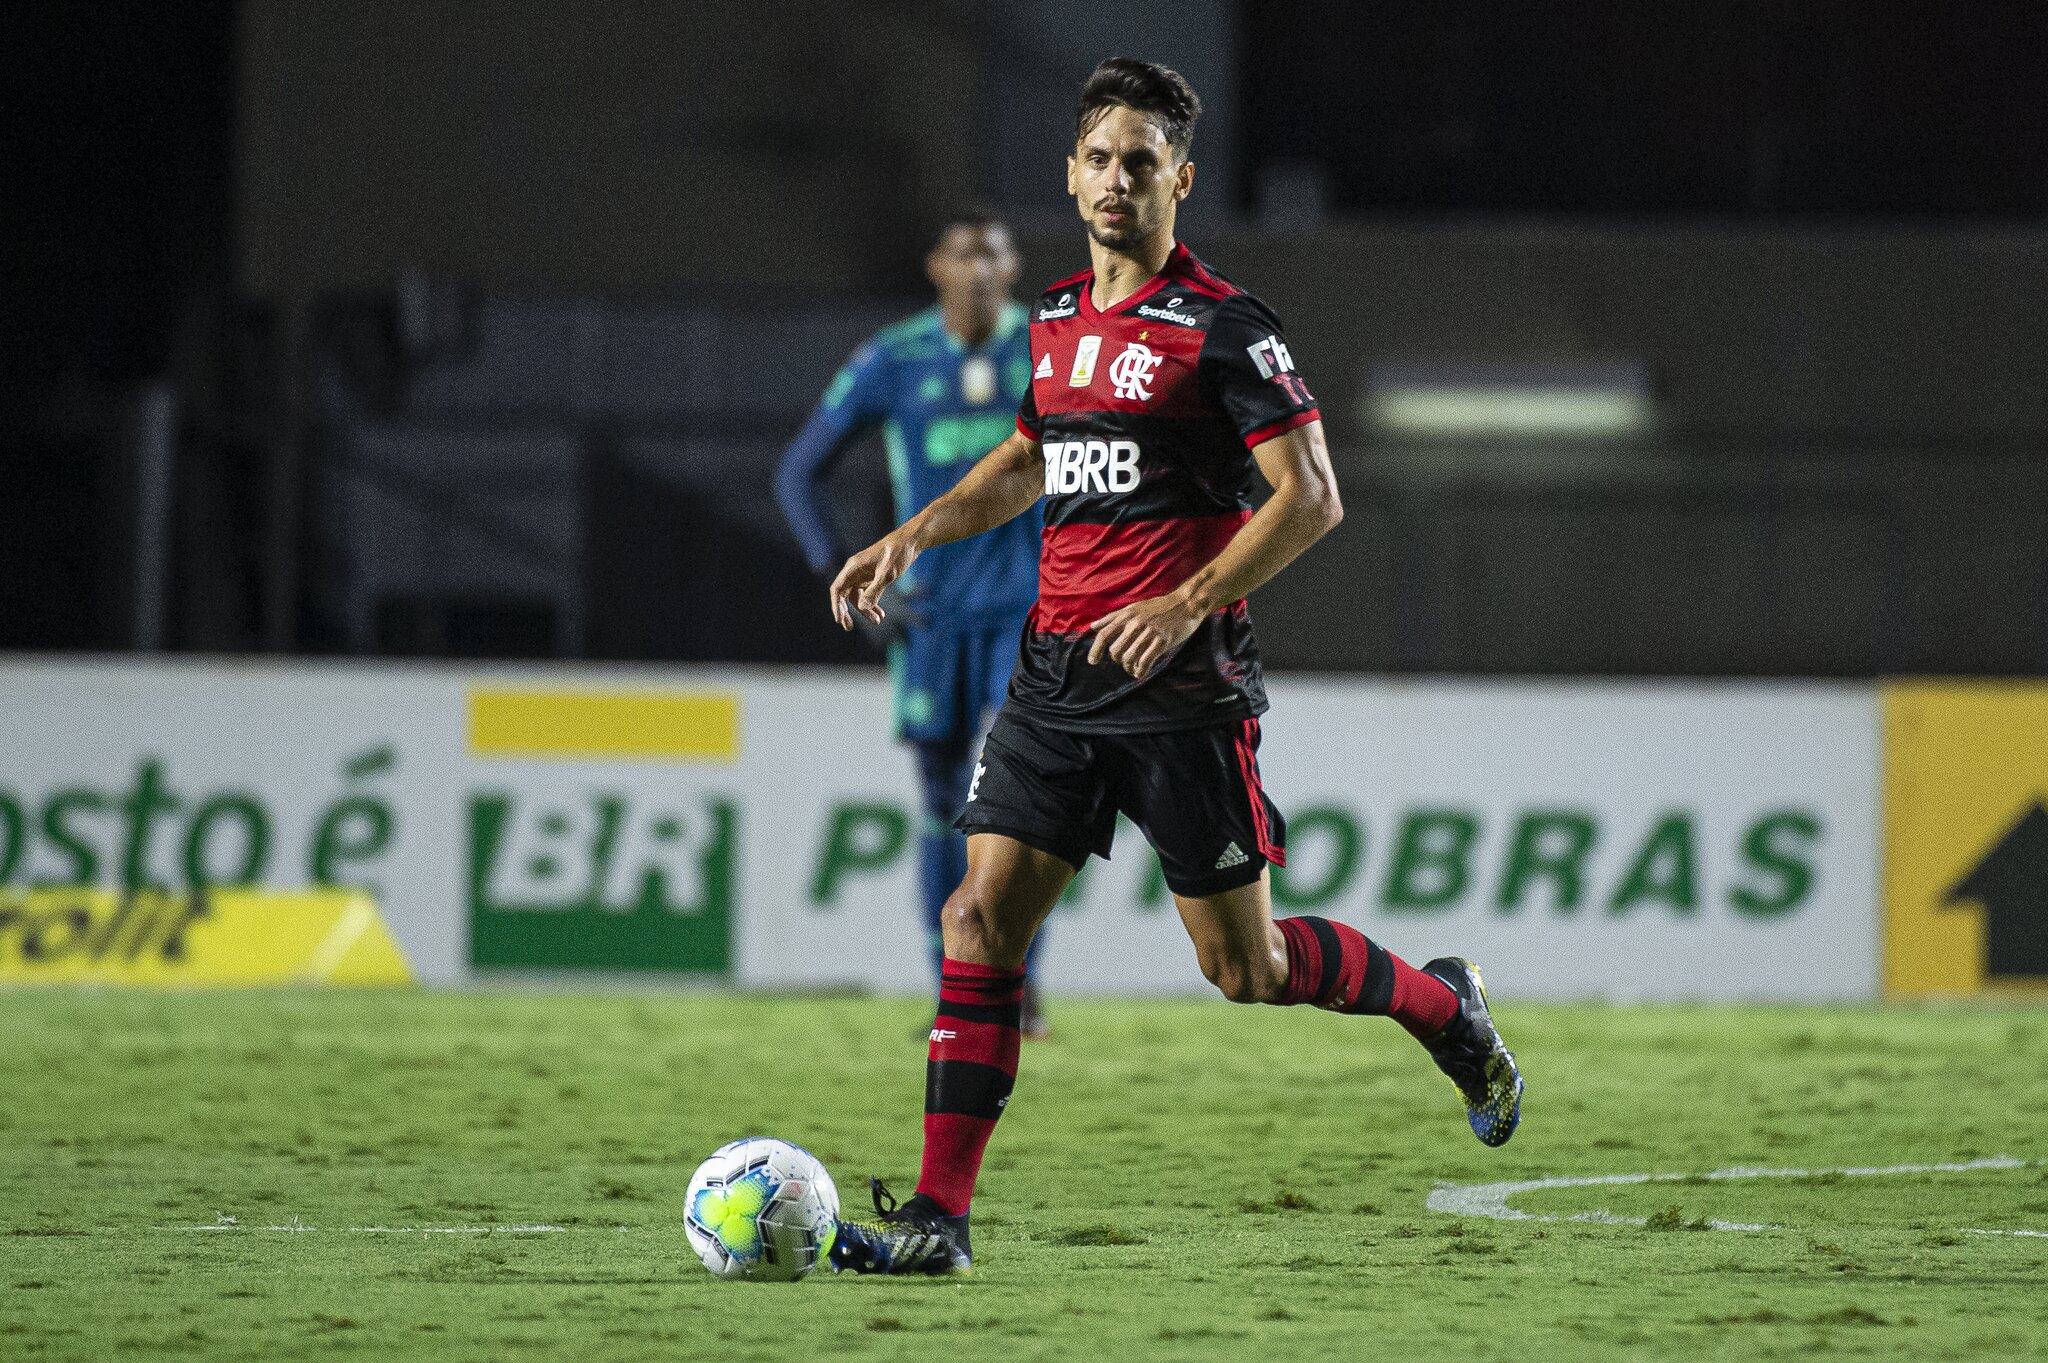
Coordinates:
<point>1470,1051</point>
<point>917,1237</point>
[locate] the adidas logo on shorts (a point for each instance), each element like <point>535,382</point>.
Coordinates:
<point>1233,855</point>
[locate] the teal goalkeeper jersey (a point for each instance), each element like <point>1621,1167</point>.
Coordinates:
<point>940,407</point>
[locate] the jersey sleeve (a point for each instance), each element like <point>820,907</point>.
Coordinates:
<point>1247,370</point>
<point>1027,413</point>
<point>854,403</point>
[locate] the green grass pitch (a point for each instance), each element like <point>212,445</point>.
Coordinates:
<point>1173,1180</point>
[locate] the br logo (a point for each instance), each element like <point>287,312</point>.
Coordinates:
<point>1132,371</point>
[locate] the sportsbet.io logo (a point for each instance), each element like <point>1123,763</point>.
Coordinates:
<point>1065,307</point>
<point>1169,313</point>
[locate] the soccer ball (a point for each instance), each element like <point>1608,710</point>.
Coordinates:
<point>761,1209</point>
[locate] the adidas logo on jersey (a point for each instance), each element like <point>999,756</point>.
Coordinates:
<point>1233,855</point>
<point>1044,370</point>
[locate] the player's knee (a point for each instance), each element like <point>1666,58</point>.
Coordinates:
<point>974,928</point>
<point>1238,979</point>
<point>1235,983</point>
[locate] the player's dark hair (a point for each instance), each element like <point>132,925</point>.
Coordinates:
<point>973,215</point>
<point>1158,92</point>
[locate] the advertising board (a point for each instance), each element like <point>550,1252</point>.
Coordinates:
<point>1624,840</point>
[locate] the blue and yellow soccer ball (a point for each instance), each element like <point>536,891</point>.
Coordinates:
<point>761,1209</point>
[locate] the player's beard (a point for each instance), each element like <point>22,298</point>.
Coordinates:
<point>1120,239</point>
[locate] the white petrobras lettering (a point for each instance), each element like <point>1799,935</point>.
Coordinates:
<point>1103,466</point>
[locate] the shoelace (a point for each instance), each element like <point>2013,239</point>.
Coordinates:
<point>906,1243</point>
<point>910,1241</point>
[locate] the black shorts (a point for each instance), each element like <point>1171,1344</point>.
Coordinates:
<point>1194,793</point>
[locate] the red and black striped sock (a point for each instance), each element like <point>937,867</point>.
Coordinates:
<point>1335,966</point>
<point>967,1079</point>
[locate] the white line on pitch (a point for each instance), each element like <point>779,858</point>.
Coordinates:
<point>1491,1199</point>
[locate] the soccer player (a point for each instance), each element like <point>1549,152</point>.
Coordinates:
<point>944,387</point>
<point>1158,386</point>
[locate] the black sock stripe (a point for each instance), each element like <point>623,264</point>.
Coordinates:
<point>1376,995</point>
<point>967,1088</point>
<point>1001,1014</point>
<point>1333,957</point>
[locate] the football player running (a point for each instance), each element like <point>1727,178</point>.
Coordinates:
<point>1158,387</point>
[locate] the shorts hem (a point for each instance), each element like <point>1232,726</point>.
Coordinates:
<point>1038,842</point>
<point>1222,717</point>
<point>1218,882</point>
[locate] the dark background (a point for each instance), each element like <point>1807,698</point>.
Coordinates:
<point>475,329</point>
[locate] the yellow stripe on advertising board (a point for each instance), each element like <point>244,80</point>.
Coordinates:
<point>175,938</point>
<point>1965,837</point>
<point>667,726</point>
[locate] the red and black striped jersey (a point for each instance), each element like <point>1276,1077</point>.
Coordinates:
<point>1148,413</point>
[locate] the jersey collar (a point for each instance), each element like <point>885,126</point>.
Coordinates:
<point>1175,263</point>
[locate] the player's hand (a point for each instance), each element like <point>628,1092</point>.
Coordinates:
<point>866,575</point>
<point>1142,635</point>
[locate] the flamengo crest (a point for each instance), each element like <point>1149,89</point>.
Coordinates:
<point>1132,371</point>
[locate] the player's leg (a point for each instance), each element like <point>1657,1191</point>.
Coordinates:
<point>944,766</point>
<point>993,660</point>
<point>1196,791</point>
<point>1251,958</point>
<point>1036,808</point>
<point>978,1033</point>
<point>927,669</point>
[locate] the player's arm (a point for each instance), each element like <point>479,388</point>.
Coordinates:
<point>1304,507</point>
<point>999,488</point>
<point>852,406</point>
<point>800,487</point>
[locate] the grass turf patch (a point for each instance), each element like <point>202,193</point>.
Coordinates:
<point>1171,1179</point>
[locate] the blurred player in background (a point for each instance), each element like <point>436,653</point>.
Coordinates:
<point>1158,386</point>
<point>943,387</point>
